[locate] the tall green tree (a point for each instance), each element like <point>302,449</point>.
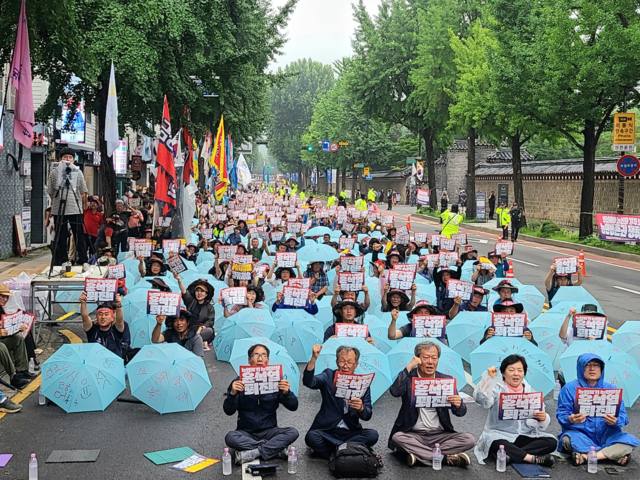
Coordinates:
<point>292,102</point>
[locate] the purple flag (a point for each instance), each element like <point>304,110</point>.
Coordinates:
<point>21,81</point>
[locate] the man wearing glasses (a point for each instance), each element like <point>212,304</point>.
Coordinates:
<point>258,434</point>
<point>338,420</point>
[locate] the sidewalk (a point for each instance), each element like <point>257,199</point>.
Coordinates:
<point>35,262</point>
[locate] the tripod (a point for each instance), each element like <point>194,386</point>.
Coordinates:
<point>63,194</point>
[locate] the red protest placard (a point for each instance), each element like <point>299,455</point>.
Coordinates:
<point>352,385</point>
<point>171,246</point>
<point>226,252</point>
<point>346,243</point>
<point>286,259</point>
<point>420,237</point>
<point>233,296</point>
<point>142,248</point>
<point>589,326</point>
<point>295,297</point>
<point>433,260</point>
<point>163,303</point>
<point>432,392</point>
<point>351,264</point>
<point>429,326</point>
<point>618,228</point>
<point>176,265</point>
<point>402,235</point>
<point>598,402</point>
<point>406,267</point>
<point>566,265</point>
<point>351,330</point>
<point>433,239</point>
<point>299,282</point>
<point>18,322</point>
<point>100,289</point>
<point>400,279</point>
<point>350,282</point>
<point>508,324</point>
<point>116,271</point>
<point>260,380</point>
<point>448,259</point>
<point>519,406</point>
<point>459,288</point>
<point>448,244</point>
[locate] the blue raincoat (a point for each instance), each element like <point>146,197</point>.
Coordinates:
<point>594,431</point>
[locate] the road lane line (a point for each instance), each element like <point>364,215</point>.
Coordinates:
<point>626,289</point>
<point>526,263</point>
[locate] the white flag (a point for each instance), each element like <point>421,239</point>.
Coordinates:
<point>111,117</point>
<point>244,174</point>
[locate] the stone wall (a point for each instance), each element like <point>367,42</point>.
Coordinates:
<point>557,198</point>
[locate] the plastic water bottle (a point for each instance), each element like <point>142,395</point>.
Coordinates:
<point>556,390</point>
<point>292,461</point>
<point>226,462</point>
<point>33,467</point>
<point>42,400</point>
<point>436,461</point>
<point>501,460</point>
<point>592,461</point>
<point>32,366</point>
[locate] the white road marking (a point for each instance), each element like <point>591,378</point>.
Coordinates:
<point>526,263</point>
<point>626,289</point>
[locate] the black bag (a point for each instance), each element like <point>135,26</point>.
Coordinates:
<point>354,460</point>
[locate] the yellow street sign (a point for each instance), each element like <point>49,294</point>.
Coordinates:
<point>624,132</point>
<point>366,171</point>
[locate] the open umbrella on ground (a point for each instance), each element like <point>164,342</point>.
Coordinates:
<point>318,231</point>
<point>371,360</point>
<point>278,355</point>
<point>168,378</point>
<point>465,331</point>
<point>317,253</point>
<point>450,362</point>
<point>545,329</point>
<point>82,377</point>
<point>493,351</point>
<point>627,339</point>
<point>297,331</point>
<point>569,359</point>
<point>623,371</point>
<point>247,323</point>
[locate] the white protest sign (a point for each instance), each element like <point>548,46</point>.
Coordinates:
<point>233,296</point>
<point>352,385</point>
<point>459,288</point>
<point>100,289</point>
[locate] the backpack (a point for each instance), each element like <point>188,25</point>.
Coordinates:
<point>354,460</point>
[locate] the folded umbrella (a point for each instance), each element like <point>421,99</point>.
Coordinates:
<point>466,330</point>
<point>298,332</point>
<point>450,363</point>
<point>493,351</point>
<point>168,378</point>
<point>278,355</point>
<point>82,377</point>
<point>247,323</point>
<point>569,359</point>
<point>372,360</point>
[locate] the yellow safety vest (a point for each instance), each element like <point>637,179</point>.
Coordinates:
<point>331,201</point>
<point>450,223</point>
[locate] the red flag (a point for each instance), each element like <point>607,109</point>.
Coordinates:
<point>188,164</point>
<point>166,174</point>
<point>21,80</point>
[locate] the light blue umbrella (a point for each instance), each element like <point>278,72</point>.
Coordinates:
<point>493,351</point>
<point>627,338</point>
<point>318,232</point>
<point>528,295</point>
<point>426,291</point>
<point>569,359</point>
<point>278,355</point>
<point>450,362</point>
<point>577,294</point>
<point>298,331</point>
<point>372,360</point>
<point>141,326</point>
<point>318,253</point>
<point>66,296</point>
<point>82,377</point>
<point>623,371</point>
<point>467,270</point>
<point>495,281</point>
<point>465,331</point>
<point>205,266</point>
<point>381,339</point>
<point>247,323</point>
<point>168,378</point>
<point>545,329</point>
<point>564,307</point>
<point>204,257</point>
<point>325,312</point>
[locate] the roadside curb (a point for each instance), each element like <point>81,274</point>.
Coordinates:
<point>548,241</point>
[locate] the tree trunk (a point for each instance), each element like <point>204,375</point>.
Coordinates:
<point>107,172</point>
<point>516,164</point>
<point>471,175</point>
<point>429,138</point>
<point>588,179</point>
<point>343,183</point>
<point>354,174</point>
<point>327,179</point>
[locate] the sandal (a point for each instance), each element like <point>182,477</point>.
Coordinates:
<point>624,461</point>
<point>577,459</point>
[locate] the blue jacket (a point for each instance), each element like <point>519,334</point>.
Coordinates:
<point>594,431</point>
<point>332,408</point>
<point>257,412</point>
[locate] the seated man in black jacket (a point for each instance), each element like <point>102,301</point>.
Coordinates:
<point>417,430</point>
<point>258,434</point>
<point>338,421</point>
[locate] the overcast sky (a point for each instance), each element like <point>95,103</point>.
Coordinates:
<point>320,29</point>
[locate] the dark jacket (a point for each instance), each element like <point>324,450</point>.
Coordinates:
<point>203,314</point>
<point>192,342</point>
<point>332,408</point>
<point>257,412</point>
<point>408,414</point>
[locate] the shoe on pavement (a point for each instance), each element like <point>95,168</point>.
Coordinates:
<point>27,375</point>
<point>19,382</point>
<point>411,460</point>
<point>246,456</point>
<point>545,460</point>
<point>461,460</point>
<point>9,407</point>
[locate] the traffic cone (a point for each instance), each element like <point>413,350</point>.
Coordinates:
<point>509,273</point>
<point>582,264</point>
<point>409,222</point>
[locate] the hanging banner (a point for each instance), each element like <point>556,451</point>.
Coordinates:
<point>618,228</point>
<point>422,197</point>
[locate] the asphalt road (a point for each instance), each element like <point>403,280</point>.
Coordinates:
<point>125,430</point>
